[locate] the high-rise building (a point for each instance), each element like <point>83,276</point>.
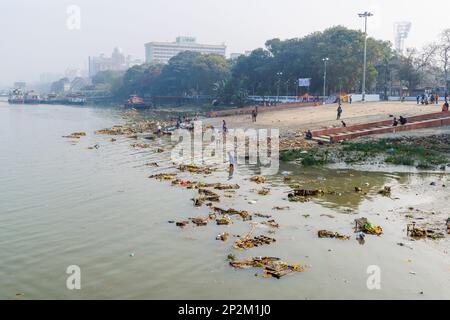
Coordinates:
<point>117,62</point>
<point>162,52</point>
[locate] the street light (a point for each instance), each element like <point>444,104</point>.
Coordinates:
<point>325,60</point>
<point>279,74</point>
<point>364,15</point>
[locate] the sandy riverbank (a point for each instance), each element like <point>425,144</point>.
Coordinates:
<point>303,118</point>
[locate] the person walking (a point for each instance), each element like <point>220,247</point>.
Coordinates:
<point>224,127</point>
<point>339,112</point>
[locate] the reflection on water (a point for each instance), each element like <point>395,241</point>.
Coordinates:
<point>62,204</point>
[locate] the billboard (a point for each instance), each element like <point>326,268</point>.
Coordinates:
<point>304,82</point>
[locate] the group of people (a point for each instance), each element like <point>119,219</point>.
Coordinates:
<point>426,99</point>
<point>402,120</point>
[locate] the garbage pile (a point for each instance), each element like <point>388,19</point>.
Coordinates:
<point>258,179</point>
<point>192,168</point>
<point>417,233</point>
<point>271,266</point>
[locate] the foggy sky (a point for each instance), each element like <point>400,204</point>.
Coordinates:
<point>35,38</point>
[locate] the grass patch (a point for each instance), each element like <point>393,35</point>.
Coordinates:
<point>313,156</point>
<point>398,152</point>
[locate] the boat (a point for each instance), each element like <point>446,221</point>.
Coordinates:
<point>32,97</point>
<point>16,97</point>
<point>75,99</point>
<point>136,102</point>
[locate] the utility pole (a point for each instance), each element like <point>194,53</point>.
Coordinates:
<point>325,60</point>
<point>279,74</point>
<point>365,15</point>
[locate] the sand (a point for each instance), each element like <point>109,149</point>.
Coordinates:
<point>303,118</point>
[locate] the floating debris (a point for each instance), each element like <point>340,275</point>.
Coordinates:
<point>294,198</point>
<point>182,223</point>
<point>419,233</point>
<point>258,179</point>
<point>141,145</point>
<point>255,242</point>
<point>363,225</point>
<point>281,208</point>
<point>264,191</point>
<point>160,150</point>
<point>75,135</point>
<point>163,176</point>
<point>243,214</point>
<point>192,168</point>
<point>386,191</point>
<point>223,221</point>
<point>260,215</point>
<point>330,234</point>
<point>270,223</point>
<point>95,146</point>
<point>223,236</point>
<point>307,193</point>
<point>152,164</point>
<point>200,221</point>
<point>271,266</point>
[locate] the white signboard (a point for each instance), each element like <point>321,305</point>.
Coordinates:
<point>305,82</point>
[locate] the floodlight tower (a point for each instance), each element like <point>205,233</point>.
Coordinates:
<point>401,32</point>
<point>365,15</point>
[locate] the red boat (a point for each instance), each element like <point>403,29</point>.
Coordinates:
<point>136,102</point>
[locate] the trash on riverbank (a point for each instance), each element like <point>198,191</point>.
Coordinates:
<point>330,234</point>
<point>363,225</point>
<point>76,135</point>
<point>258,179</point>
<point>271,266</point>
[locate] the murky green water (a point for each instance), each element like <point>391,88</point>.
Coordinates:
<point>62,204</point>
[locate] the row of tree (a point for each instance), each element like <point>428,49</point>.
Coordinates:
<point>275,69</point>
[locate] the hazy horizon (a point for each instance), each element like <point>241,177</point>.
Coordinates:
<point>36,39</point>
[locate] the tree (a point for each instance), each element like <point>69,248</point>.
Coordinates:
<point>444,56</point>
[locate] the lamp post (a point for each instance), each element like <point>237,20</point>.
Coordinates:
<point>279,74</point>
<point>325,60</point>
<point>365,15</point>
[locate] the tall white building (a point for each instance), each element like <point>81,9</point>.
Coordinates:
<point>162,52</point>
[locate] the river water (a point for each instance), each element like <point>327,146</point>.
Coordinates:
<point>63,204</point>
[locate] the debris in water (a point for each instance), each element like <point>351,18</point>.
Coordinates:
<point>271,223</point>
<point>264,191</point>
<point>223,221</point>
<point>95,146</point>
<point>363,225</point>
<point>141,145</point>
<point>163,176</point>
<point>182,223</point>
<point>200,221</point>
<point>258,179</point>
<point>386,191</point>
<point>247,242</point>
<point>196,169</point>
<point>281,208</point>
<point>271,266</point>
<point>223,236</point>
<point>330,234</point>
<point>75,135</point>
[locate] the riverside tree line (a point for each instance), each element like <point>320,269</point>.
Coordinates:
<point>275,69</point>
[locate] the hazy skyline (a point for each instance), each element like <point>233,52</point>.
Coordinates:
<point>36,39</point>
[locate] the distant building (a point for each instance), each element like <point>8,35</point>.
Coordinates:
<point>117,62</point>
<point>234,56</point>
<point>162,52</point>
<point>20,85</point>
